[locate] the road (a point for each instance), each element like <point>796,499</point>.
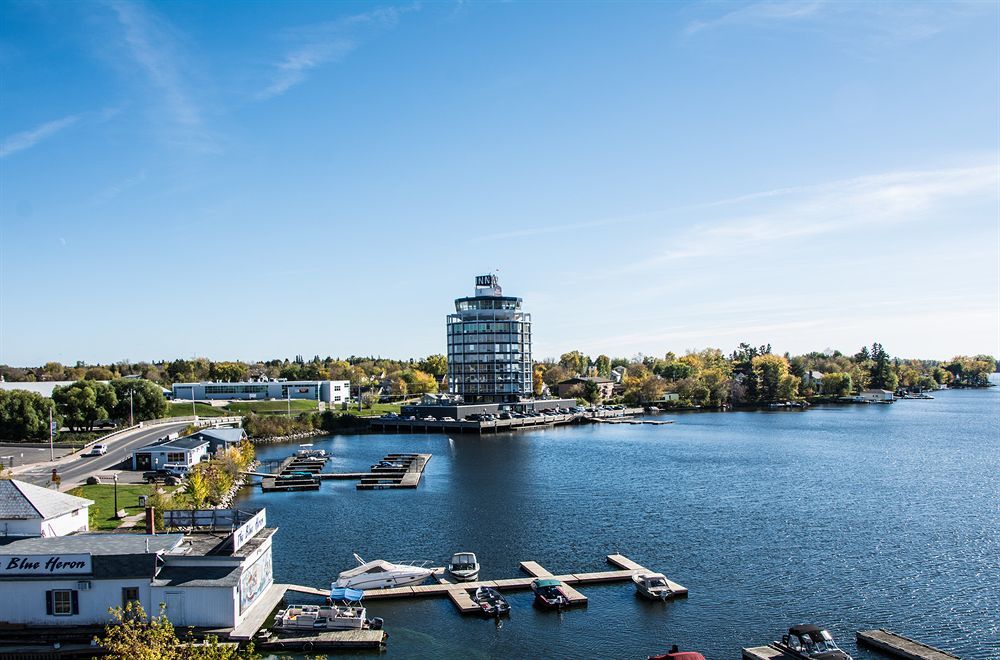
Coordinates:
<point>75,469</point>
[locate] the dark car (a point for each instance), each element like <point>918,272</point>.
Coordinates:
<point>166,476</point>
<point>811,643</point>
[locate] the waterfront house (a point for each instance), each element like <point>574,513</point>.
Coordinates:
<point>30,510</point>
<point>814,380</point>
<point>206,578</point>
<point>605,386</point>
<point>876,396</point>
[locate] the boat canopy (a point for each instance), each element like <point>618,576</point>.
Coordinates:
<point>548,582</point>
<point>346,594</point>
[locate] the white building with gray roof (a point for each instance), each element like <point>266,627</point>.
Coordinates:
<point>29,510</point>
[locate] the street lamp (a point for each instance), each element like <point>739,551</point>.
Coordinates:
<point>116,494</point>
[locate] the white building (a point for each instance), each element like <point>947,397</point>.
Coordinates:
<point>205,580</point>
<point>187,451</point>
<point>328,391</point>
<point>876,396</point>
<point>29,510</point>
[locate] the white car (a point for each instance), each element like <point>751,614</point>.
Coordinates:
<point>97,450</point>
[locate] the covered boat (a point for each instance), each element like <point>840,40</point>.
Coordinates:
<point>652,585</point>
<point>675,654</point>
<point>810,643</point>
<point>464,566</point>
<point>491,602</point>
<point>381,574</point>
<point>549,593</point>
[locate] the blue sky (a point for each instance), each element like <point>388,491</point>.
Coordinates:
<point>248,181</point>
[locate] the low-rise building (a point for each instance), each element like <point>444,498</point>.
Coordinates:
<point>204,578</point>
<point>187,451</point>
<point>605,386</point>
<point>30,510</point>
<point>220,439</point>
<point>876,396</point>
<point>327,391</point>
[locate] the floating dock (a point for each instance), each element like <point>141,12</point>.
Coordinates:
<point>329,640</point>
<point>651,422</point>
<point>407,475</point>
<point>459,593</point>
<point>294,473</point>
<point>901,647</point>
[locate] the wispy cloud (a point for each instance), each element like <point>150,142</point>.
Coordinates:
<point>118,188</point>
<point>327,43</point>
<point>152,42</point>
<point>740,225</point>
<point>759,13</point>
<point>27,139</point>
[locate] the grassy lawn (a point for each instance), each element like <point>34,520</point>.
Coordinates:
<point>103,496</point>
<point>183,409</point>
<point>377,410</point>
<point>298,405</point>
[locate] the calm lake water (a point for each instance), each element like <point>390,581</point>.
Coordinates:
<point>853,517</point>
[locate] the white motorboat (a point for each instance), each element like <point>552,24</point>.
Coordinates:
<point>464,566</point>
<point>653,586</point>
<point>324,617</point>
<point>381,574</point>
<point>307,451</point>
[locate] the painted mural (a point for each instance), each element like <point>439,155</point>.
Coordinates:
<point>254,581</point>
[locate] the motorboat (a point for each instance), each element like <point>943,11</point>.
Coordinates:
<point>324,617</point>
<point>676,654</point>
<point>491,602</point>
<point>652,586</point>
<point>306,451</point>
<point>464,566</point>
<point>810,643</point>
<point>549,593</point>
<point>381,574</point>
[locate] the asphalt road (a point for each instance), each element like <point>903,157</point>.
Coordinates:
<point>75,469</point>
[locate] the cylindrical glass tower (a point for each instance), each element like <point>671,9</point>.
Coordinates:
<point>489,346</point>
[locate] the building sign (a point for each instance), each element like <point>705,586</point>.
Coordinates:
<point>486,280</point>
<point>13,565</point>
<point>249,529</point>
<point>254,581</point>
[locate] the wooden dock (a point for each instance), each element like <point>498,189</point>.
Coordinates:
<point>294,473</point>
<point>408,475</point>
<point>459,593</point>
<point>329,640</point>
<point>651,422</point>
<point>901,647</point>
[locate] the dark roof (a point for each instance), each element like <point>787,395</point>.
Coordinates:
<point>586,379</point>
<point>20,500</point>
<point>198,576</point>
<point>94,543</point>
<point>186,443</point>
<point>803,629</point>
<point>109,567</point>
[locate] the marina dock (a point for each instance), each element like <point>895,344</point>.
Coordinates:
<point>327,640</point>
<point>901,647</point>
<point>459,593</point>
<point>404,425</point>
<point>765,653</point>
<point>296,473</point>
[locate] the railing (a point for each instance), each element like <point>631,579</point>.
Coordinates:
<point>200,421</point>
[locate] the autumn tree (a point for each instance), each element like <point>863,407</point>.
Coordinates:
<point>837,384</point>
<point>436,365</point>
<point>768,374</point>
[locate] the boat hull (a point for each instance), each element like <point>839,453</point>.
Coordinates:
<point>383,581</point>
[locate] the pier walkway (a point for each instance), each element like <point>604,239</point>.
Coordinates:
<point>901,647</point>
<point>459,593</point>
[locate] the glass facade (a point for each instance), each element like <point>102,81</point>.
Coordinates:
<point>489,346</point>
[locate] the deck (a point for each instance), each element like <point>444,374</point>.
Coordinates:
<point>901,647</point>
<point>324,641</point>
<point>765,653</point>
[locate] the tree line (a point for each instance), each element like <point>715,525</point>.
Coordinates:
<point>754,375</point>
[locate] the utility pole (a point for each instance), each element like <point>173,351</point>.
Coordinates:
<point>52,451</point>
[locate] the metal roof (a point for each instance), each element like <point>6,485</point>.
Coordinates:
<point>184,444</point>
<point>23,501</point>
<point>224,434</point>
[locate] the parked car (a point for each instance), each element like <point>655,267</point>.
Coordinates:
<point>177,469</point>
<point>153,476</point>
<point>97,450</point>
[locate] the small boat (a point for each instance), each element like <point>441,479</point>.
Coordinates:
<point>324,617</point>
<point>491,602</point>
<point>652,585</point>
<point>549,593</point>
<point>464,566</point>
<point>676,654</point>
<point>810,643</point>
<point>381,574</point>
<point>307,451</point>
